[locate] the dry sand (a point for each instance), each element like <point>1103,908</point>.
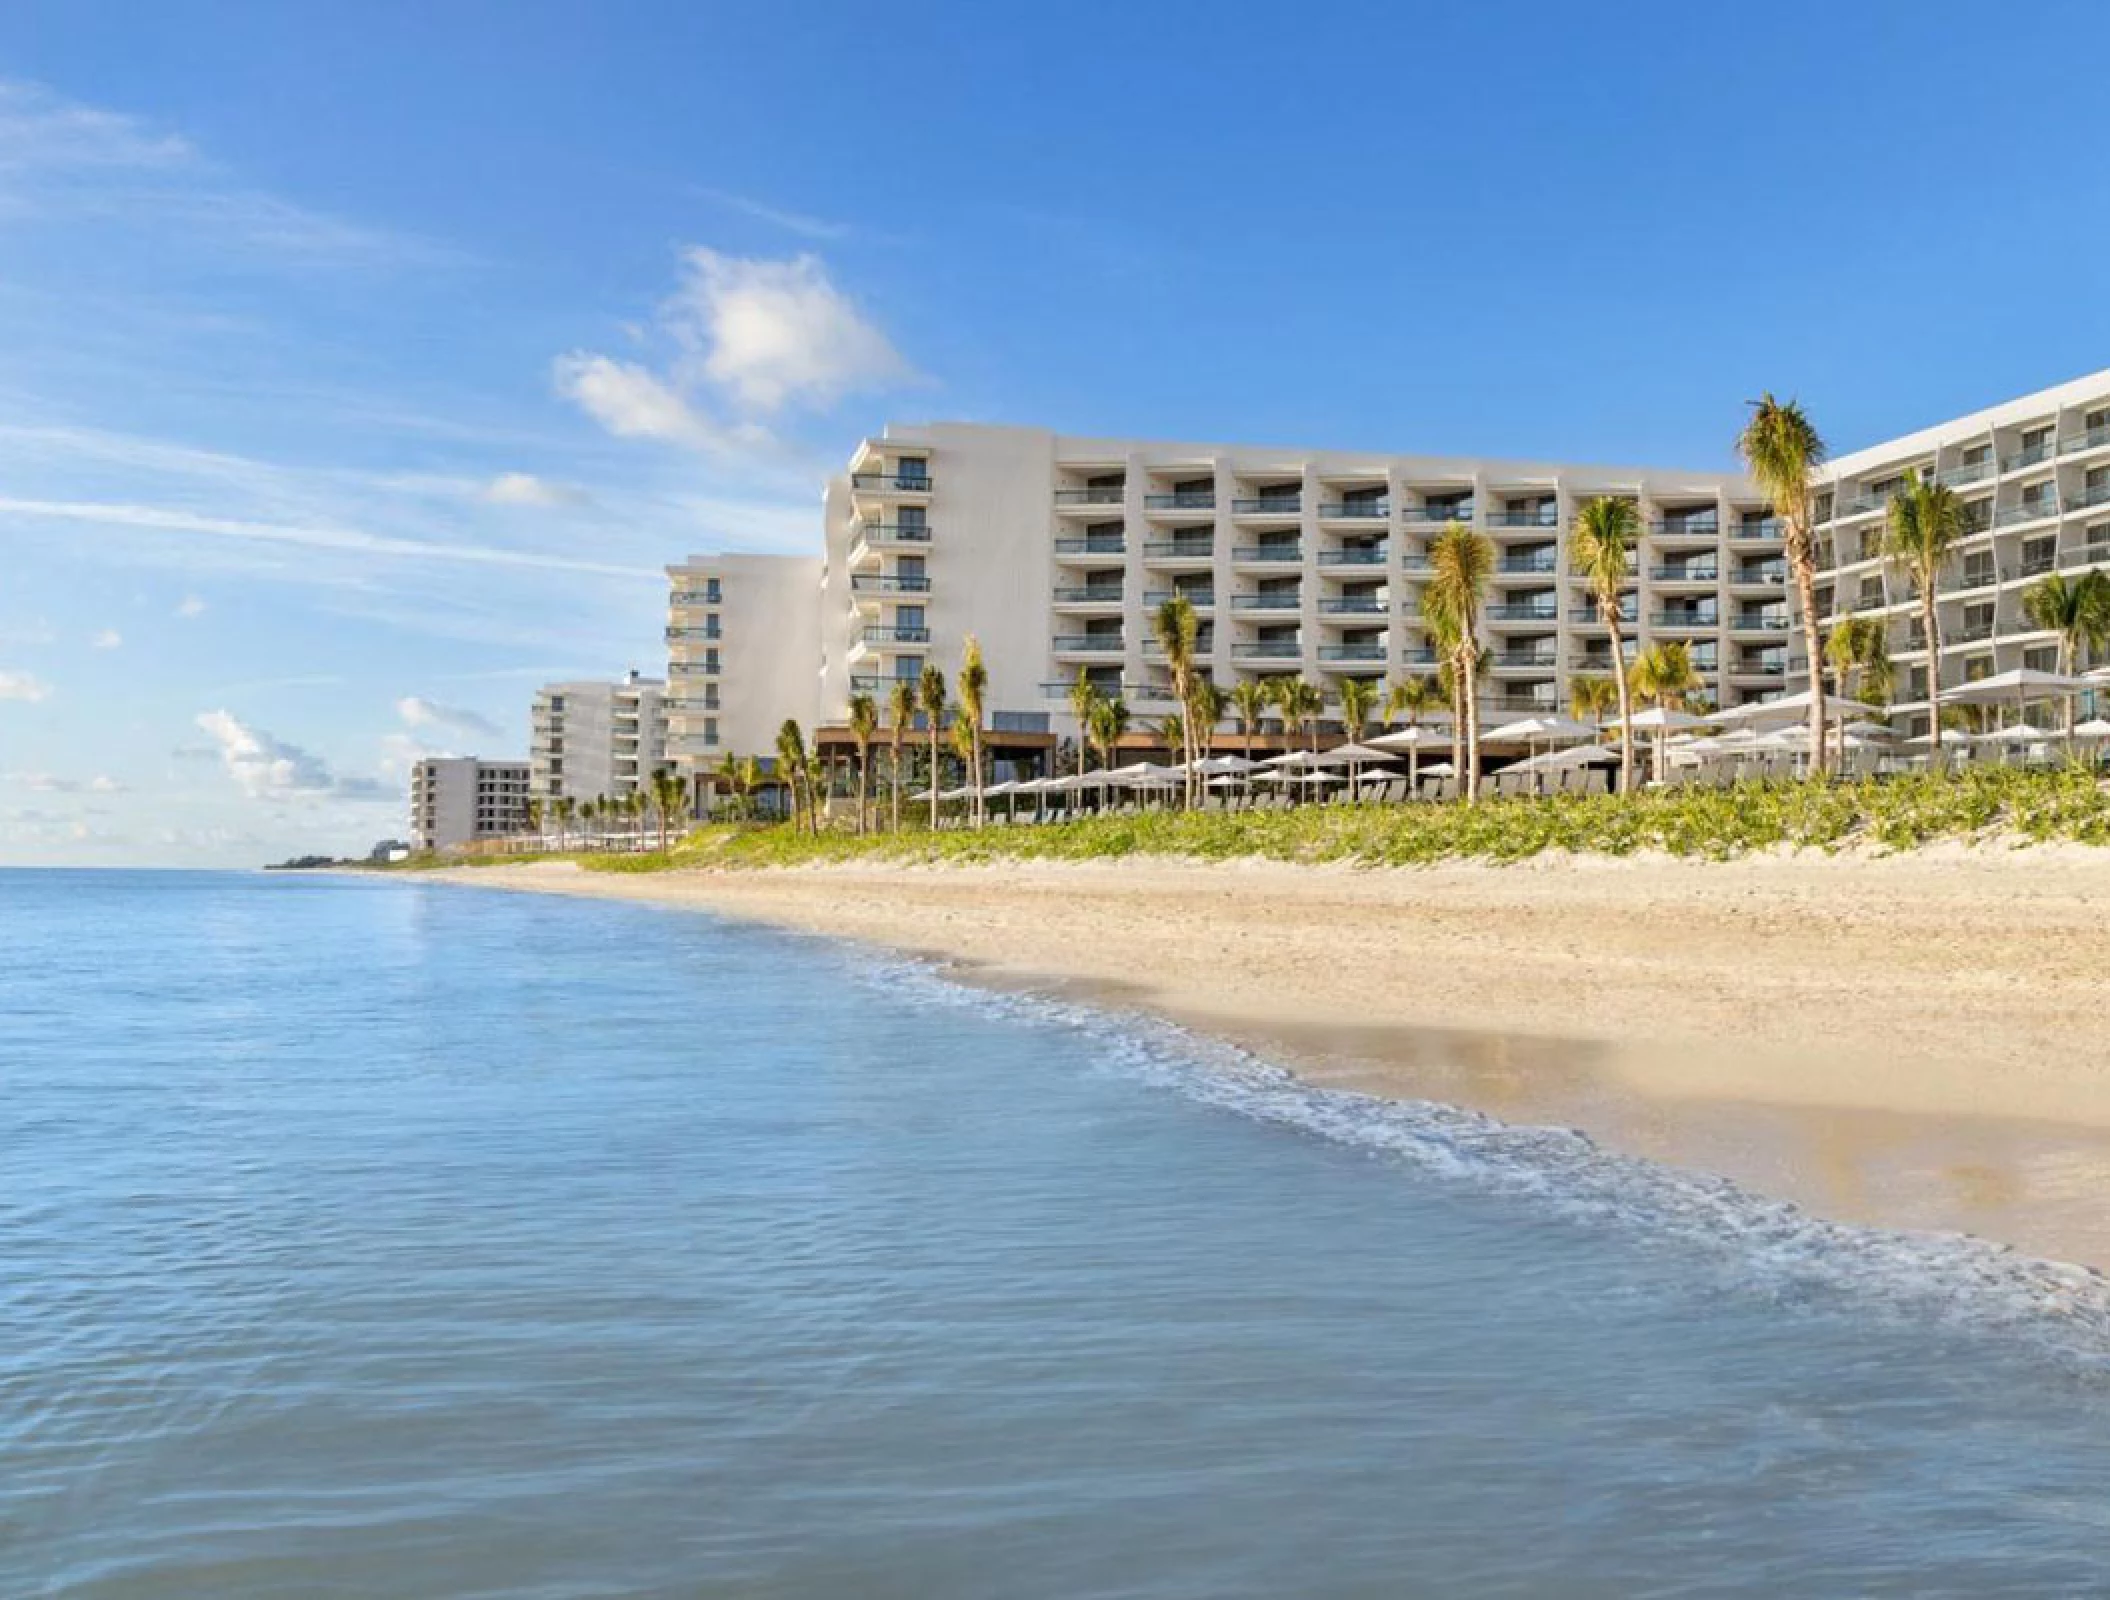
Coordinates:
<point>1914,1041</point>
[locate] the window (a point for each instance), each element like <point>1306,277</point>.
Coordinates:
<point>910,517</point>
<point>912,469</point>
<point>908,616</point>
<point>2041,659</point>
<point>1977,455</point>
<point>2097,419</point>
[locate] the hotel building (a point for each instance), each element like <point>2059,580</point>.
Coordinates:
<point>1054,551</point>
<point>592,741</point>
<point>2034,477</point>
<point>458,800</point>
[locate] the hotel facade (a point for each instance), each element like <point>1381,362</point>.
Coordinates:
<point>458,800</point>
<point>596,740</point>
<point>1054,552</point>
<point>2034,478</point>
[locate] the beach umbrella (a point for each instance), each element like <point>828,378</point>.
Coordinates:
<point>1225,767</point>
<point>1535,731</point>
<point>1413,740</point>
<point>1292,758</point>
<point>1787,707</point>
<point>2093,728</point>
<point>1667,719</point>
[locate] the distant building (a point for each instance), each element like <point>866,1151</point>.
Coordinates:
<point>389,850</point>
<point>744,653</point>
<point>593,741</point>
<point>458,800</point>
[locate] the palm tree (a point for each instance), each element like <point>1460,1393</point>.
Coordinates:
<point>671,795</point>
<point>1413,698</point>
<point>930,695</point>
<point>534,816</point>
<point>1084,697</point>
<point>1664,675</point>
<point>1782,450</point>
<point>1298,704</point>
<point>1109,723</point>
<point>1606,531</point>
<point>750,784</point>
<point>1250,698</point>
<point>1857,651</point>
<point>563,808</point>
<point>864,728</point>
<point>1208,712</point>
<point>973,687</point>
<point>1926,520</point>
<point>901,716</point>
<point>1461,565</point>
<point>1172,730</point>
<point>1178,629</point>
<point>1592,698</point>
<point>797,775</point>
<point>2078,611</point>
<point>1358,698</point>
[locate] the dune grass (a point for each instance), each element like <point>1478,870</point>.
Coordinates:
<point>1898,813</point>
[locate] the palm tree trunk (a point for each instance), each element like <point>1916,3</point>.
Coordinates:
<point>1940,758</point>
<point>2066,654</point>
<point>1626,696</point>
<point>1802,559</point>
<point>894,779</point>
<point>1458,724</point>
<point>933,774</point>
<point>1469,673</point>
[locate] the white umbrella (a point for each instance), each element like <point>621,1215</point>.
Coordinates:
<point>1225,767</point>
<point>1347,755</point>
<point>1292,758</point>
<point>2093,728</point>
<point>1409,739</point>
<point>1869,730</point>
<point>2016,684</point>
<point>1563,760</point>
<point>2018,733</point>
<point>1540,730</point>
<point>1664,719</point>
<point>1790,706</point>
<point>1439,769</point>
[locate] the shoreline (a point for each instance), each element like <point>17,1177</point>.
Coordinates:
<point>1912,1041</point>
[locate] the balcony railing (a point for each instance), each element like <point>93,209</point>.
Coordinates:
<point>1352,606</point>
<point>681,703</point>
<point>1089,596</point>
<point>2094,494</point>
<point>1590,613</point>
<point>1197,598</point>
<point>1771,572</point>
<point>1272,505</point>
<point>1684,619</point>
<point>693,669</point>
<point>1181,549</point>
<point>1266,602</point>
<point>2091,555</point>
<point>1103,545</point>
<point>695,597</point>
<point>708,635</point>
<point>1269,552</point>
<point>1767,528</point>
<point>1462,511</point>
<point>1526,658</point>
<point>1060,688</point>
<point>1190,501</point>
<point>897,635</point>
<point>1353,558</point>
<point>904,482</point>
<point>1082,643</point>
<point>1545,613</point>
<point>2028,456</point>
<point>1373,509</point>
<point>2028,511</point>
<point>1969,633</point>
<point>1686,528</point>
<point>887,532</point>
<point>1550,562</point>
<point>1352,652</point>
<point>1969,472</point>
<point>1761,669</point>
<point>1686,574</point>
<point>1268,649</point>
<point>890,584</point>
<point>1982,577</point>
<point>2036,566</point>
<point>1759,622</point>
<point>2093,439</point>
<point>1102,495</point>
<point>1418,655</point>
<point>1546,518</point>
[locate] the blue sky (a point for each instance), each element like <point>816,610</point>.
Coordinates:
<point>361,366</point>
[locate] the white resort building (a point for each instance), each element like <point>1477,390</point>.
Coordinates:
<point>457,800</point>
<point>1054,551</point>
<point>2034,476</point>
<point>593,740</point>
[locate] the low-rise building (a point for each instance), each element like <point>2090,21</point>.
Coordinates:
<point>459,800</point>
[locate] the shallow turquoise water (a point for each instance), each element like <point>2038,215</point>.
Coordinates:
<point>382,1239</point>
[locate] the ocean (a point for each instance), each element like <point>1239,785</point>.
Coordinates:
<point>387,1239</point>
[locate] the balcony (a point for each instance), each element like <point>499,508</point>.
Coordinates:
<point>707,635</point>
<point>883,636</point>
<point>1514,660</point>
<point>1973,577</point>
<point>1267,650</point>
<point>1521,613</point>
<point>2035,566</point>
<point>1548,517</point>
<point>1101,495</point>
<point>1538,565</point>
<point>1061,688</point>
<point>1363,651</point>
<point>1089,644</point>
<point>1768,573</point>
<point>2027,511</point>
<point>1686,528</point>
<point>1353,558</point>
<point>891,482</point>
<point>1418,655</point>
<point>1589,613</point>
<point>1371,510</point>
<point>1272,553</point>
<point>1968,633</point>
<point>692,669</point>
<point>878,535</point>
<point>1685,574</point>
<point>2095,494</point>
<point>873,684</point>
<point>1200,599</point>
<point>694,597</point>
<point>1099,545</point>
<point>1269,505</point>
<point>1190,551</point>
<point>683,704</point>
<point>1353,606</point>
<point>868,583</point>
<point>2094,439</point>
<point>1765,530</point>
<point>1089,595</point>
<point>1192,500</point>
<point>1447,511</point>
<point>1970,472</point>
<point>2028,456</point>
<point>1758,667</point>
<point>1759,622</point>
<point>1266,602</point>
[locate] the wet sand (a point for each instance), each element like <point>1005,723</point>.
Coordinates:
<point>1917,1041</point>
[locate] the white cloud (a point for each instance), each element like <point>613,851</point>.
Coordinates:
<point>773,332</point>
<point>418,712</point>
<point>52,783</point>
<point>802,223</point>
<point>751,338</point>
<point>525,489</point>
<point>190,606</point>
<point>267,768</point>
<point>23,686</point>
<point>103,783</point>
<point>108,639</point>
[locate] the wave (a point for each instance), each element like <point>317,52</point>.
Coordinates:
<point>1763,1244</point>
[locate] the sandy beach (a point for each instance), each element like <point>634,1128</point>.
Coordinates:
<point>1912,1041</point>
